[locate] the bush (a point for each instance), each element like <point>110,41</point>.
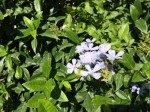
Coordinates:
<point>39,40</point>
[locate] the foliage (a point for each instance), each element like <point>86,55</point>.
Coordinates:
<point>38,39</point>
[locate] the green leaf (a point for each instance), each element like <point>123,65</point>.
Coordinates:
<point>59,95</point>
<point>46,106</point>
<point>87,104</point>
<point>8,61</point>
<point>141,25</point>
<point>63,97</point>
<point>19,88</point>
<point>50,34</point>
<point>118,81</point>
<point>73,36</point>
<point>102,100</point>
<point>146,69</point>
<point>33,33</point>
<point>34,100</point>
<point>46,64</point>
<point>28,23</point>
<point>2,64</point>
<point>35,84</point>
<point>1,16</point>
<point>59,55</point>
<point>138,5</point>
<point>88,8</point>
<point>137,77</point>
<point>128,61</point>
<point>34,44</point>
<point>48,87</point>
<point>18,73</point>
<point>122,95</point>
<point>134,12</point>
<point>67,85</point>
<point>21,108</point>
<point>37,5</point>
<point>123,32</point>
<point>3,51</point>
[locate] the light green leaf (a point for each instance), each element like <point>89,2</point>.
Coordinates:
<point>50,34</point>
<point>48,87</point>
<point>73,36</point>
<point>19,88</point>
<point>88,8</point>
<point>2,64</point>
<point>37,5</point>
<point>137,77</point>
<point>34,100</point>
<point>63,97</point>
<point>3,51</point>
<point>141,25</point>
<point>146,69</point>
<point>122,95</point>
<point>134,12</point>
<point>35,84</point>
<point>46,106</point>
<point>28,23</point>
<point>123,32</point>
<point>67,85</point>
<point>33,33</point>
<point>18,73</point>
<point>8,61</point>
<point>34,44</point>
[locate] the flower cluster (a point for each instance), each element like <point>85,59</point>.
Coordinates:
<point>139,89</point>
<point>93,61</point>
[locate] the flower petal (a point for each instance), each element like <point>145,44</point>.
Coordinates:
<point>96,68</point>
<point>119,54</point>
<point>83,73</point>
<point>104,47</point>
<point>88,68</point>
<point>69,71</point>
<point>96,75</point>
<point>69,65</point>
<point>74,62</point>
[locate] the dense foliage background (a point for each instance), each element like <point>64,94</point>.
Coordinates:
<point>38,38</point>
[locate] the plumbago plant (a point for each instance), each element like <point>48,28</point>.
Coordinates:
<point>74,56</point>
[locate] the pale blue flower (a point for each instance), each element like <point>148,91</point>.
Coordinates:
<point>73,67</point>
<point>90,41</point>
<point>92,72</point>
<point>102,65</point>
<point>103,48</point>
<point>112,55</point>
<point>88,58</point>
<point>134,88</point>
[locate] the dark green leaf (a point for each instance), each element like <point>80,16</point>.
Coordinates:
<point>73,36</point>
<point>46,64</point>
<point>134,12</point>
<point>118,81</point>
<point>50,34</point>
<point>128,61</point>
<point>138,5</point>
